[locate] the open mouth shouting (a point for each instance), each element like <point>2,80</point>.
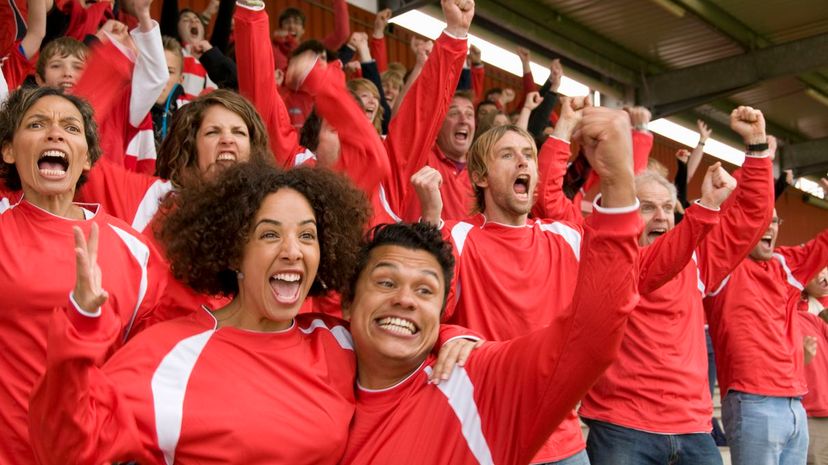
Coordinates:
<point>521,186</point>
<point>655,233</point>
<point>286,286</point>
<point>53,164</point>
<point>462,135</point>
<point>397,326</point>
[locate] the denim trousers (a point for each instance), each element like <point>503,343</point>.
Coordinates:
<point>580,458</point>
<point>609,444</point>
<point>765,430</point>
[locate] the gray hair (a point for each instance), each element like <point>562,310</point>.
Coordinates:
<point>648,176</point>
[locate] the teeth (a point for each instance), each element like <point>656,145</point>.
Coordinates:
<point>226,156</point>
<point>53,153</point>
<point>53,172</point>
<point>288,277</point>
<point>397,325</point>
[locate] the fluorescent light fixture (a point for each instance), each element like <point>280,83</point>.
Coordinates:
<point>811,187</point>
<point>690,138</point>
<point>495,55</point>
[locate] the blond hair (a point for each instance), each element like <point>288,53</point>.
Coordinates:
<point>358,85</point>
<point>481,151</point>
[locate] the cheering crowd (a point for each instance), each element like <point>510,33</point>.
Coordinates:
<point>262,248</point>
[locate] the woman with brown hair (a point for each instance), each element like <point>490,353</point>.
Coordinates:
<point>49,140</point>
<point>212,132</point>
<point>251,382</point>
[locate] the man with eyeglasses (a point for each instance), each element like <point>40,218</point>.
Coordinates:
<point>759,349</point>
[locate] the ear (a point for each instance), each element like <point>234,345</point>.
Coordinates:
<point>8,155</point>
<point>87,162</point>
<point>480,181</point>
<point>39,80</point>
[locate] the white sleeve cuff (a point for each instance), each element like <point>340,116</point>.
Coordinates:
<point>764,154</point>
<point>83,312</point>
<point>467,337</point>
<point>258,7</point>
<point>137,33</point>
<point>552,136</point>
<point>614,210</point>
<point>699,203</point>
<point>446,32</point>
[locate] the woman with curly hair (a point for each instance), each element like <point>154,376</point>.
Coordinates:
<point>48,140</point>
<point>252,382</point>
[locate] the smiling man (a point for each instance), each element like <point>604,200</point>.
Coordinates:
<point>516,275</point>
<point>502,405</point>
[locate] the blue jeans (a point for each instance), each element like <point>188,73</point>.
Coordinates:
<point>765,430</point>
<point>580,458</point>
<point>609,444</point>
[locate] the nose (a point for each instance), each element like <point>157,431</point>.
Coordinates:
<point>660,214</point>
<point>226,138</point>
<point>291,251</point>
<point>55,133</point>
<point>404,298</point>
<point>523,160</point>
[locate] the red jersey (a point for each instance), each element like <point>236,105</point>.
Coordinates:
<point>492,261</point>
<point>15,67</point>
<point>550,200</point>
<point>503,404</point>
<point>816,372</point>
<point>659,383</point>
<point>13,16</point>
<point>753,321</point>
<point>175,394</point>
<point>37,272</point>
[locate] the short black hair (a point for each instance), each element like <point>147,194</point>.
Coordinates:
<point>309,134</point>
<point>412,236</point>
<point>310,44</point>
<point>291,12</point>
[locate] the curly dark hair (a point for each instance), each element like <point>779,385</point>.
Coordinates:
<point>178,155</point>
<point>15,108</point>
<point>207,225</point>
<point>413,236</point>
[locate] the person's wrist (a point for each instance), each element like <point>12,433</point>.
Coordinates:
<point>755,139</point>
<point>457,32</point>
<point>709,202</point>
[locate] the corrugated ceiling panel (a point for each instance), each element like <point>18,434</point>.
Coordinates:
<point>644,27</point>
<point>781,20</point>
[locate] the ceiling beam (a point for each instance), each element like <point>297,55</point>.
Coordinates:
<point>399,7</point>
<point>686,88</point>
<point>741,33</point>
<point>806,158</point>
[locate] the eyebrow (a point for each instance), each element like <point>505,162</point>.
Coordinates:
<point>394,266</point>
<point>41,115</point>
<point>279,223</point>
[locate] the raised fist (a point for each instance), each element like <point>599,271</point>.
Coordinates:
<point>380,22</point>
<point>555,74</point>
<point>639,116</point>
<point>458,15</point>
<point>533,99</point>
<point>427,182</point>
<point>606,137</point>
<point>750,124</point>
<point>716,186</point>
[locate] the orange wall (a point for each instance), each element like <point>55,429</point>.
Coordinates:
<point>801,221</point>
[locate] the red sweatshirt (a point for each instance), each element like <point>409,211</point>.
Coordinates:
<point>188,391</point>
<point>550,200</point>
<point>37,272</point>
<point>753,321</point>
<point>493,261</point>
<point>413,132</point>
<point>16,66</point>
<point>816,372</point>
<point>503,404</point>
<point>659,383</point>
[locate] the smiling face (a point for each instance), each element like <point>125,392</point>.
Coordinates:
<point>223,138</point>
<point>818,286</point>
<point>190,28</point>
<point>293,26</point>
<point>49,149</point>
<point>279,262</point>
<point>62,71</point>
<point>369,102</point>
<point>657,206</point>
<point>456,134</point>
<point>395,313</point>
<point>763,250</point>
<point>511,178</point>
